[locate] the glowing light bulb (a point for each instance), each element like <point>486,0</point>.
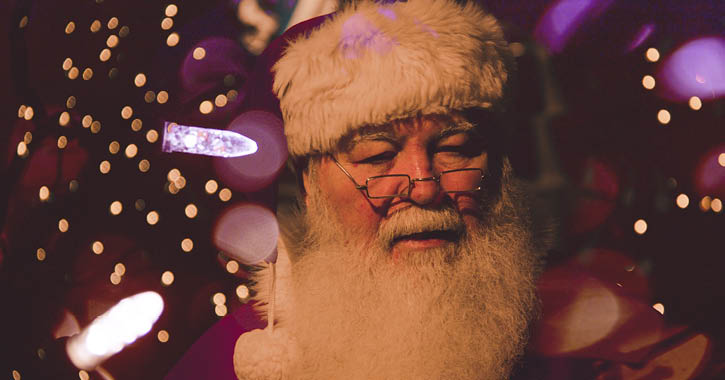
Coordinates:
<point>187,245</point>
<point>199,53</point>
<point>695,103</point>
<point>640,226</point>
<point>652,54</point>
<point>205,141</point>
<point>663,116</point>
<point>682,201</point>
<point>118,327</point>
<point>648,82</point>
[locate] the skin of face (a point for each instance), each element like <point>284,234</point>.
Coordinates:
<point>419,147</point>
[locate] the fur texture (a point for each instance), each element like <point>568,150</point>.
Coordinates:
<point>372,63</point>
<point>350,312</point>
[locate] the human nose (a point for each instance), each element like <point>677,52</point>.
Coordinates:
<point>424,188</point>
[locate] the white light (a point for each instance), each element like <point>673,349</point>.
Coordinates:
<point>206,141</point>
<point>190,140</point>
<point>127,321</point>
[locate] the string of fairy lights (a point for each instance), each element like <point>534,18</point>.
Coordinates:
<point>664,117</point>
<point>123,148</point>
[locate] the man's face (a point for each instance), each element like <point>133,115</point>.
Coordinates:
<point>421,148</point>
<point>430,286</point>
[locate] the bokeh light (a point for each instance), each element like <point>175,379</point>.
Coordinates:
<point>171,10</point>
<point>62,142</point>
<point>199,53</point>
<point>29,113</point>
<point>22,149</point>
<point>64,118</point>
<point>112,41</point>
<point>114,147</point>
<point>131,150</point>
<point>83,375</point>
<point>705,203</point>
<point>255,171</point>
<point>95,126</point>
<point>136,125</point>
<point>652,54</point>
<point>225,194</point>
<point>105,167</point>
<point>562,19</point>
<point>167,278</point>
<point>167,23</point>
<point>219,298</point>
<point>152,136</point>
<point>97,247</point>
<point>115,208</point>
<point>682,201</point>
<point>70,102</point>
<point>211,185</point>
<point>206,107</point>
<point>162,97</point>
<point>44,193</point>
<point>40,254</point>
<point>152,217</point>
<point>87,73</point>
<point>144,165</point>
<point>187,245</point>
<point>248,233</point>
<point>172,39</point>
<point>232,266</point>
<point>640,226</point>
<point>695,103</point>
<point>119,269</point>
<point>115,278</point>
<point>716,205</point>
<point>112,23</point>
<point>648,82</point>
<point>694,69</point>
<point>659,307</point>
<point>126,112</point>
<point>63,225</point>
<point>220,310</point>
<point>242,291</point>
<point>663,116</point>
<point>163,336</point>
<point>139,80</point>
<point>70,27</point>
<point>95,26</point>
<point>190,211</point>
<point>220,100</point>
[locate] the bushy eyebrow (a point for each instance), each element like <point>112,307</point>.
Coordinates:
<point>383,133</point>
<point>454,128</point>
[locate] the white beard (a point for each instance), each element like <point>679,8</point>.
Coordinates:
<point>457,312</point>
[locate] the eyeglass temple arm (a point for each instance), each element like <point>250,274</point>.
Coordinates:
<point>357,186</point>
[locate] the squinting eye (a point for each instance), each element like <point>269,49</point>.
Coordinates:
<point>378,158</point>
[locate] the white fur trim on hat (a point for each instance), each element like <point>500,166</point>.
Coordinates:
<point>373,63</point>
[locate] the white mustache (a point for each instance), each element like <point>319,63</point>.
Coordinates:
<point>414,220</point>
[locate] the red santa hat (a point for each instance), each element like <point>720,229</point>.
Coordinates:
<point>373,62</point>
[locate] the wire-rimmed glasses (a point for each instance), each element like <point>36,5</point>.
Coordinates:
<point>400,185</point>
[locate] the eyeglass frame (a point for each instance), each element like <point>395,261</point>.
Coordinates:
<point>411,181</point>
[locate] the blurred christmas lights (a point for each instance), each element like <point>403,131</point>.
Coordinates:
<point>120,326</point>
<point>210,142</point>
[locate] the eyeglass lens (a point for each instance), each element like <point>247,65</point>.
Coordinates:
<point>398,185</point>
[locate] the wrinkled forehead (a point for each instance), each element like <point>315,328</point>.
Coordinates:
<point>438,125</point>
